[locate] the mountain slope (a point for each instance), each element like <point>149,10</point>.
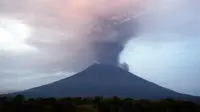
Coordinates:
<point>104,80</point>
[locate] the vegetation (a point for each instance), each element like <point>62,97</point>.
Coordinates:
<point>96,104</point>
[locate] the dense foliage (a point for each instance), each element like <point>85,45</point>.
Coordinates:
<point>96,104</point>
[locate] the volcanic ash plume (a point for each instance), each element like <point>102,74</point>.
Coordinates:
<point>94,31</point>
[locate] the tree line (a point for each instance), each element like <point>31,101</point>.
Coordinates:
<point>96,104</point>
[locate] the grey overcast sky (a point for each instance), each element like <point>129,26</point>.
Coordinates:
<point>39,43</point>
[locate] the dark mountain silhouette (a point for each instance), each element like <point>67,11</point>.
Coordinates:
<point>107,81</point>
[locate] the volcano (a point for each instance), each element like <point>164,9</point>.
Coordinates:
<point>107,81</point>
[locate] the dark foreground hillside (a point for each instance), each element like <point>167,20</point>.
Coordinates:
<point>95,104</point>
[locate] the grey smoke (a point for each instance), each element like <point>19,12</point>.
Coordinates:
<point>73,37</point>
<point>74,34</point>
<point>108,52</point>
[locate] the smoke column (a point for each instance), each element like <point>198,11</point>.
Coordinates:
<point>107,30</point>
<point>107,52</point>
<point>71,35</point>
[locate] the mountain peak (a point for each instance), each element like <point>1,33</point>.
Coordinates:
<point>102,66</point>
<point>97,65</point>
<point>106,71</point>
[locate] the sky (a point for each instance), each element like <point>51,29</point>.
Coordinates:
<point>42,41</point>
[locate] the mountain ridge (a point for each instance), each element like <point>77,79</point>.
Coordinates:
<point>104,80</point>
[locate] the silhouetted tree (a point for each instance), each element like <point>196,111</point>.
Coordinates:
<point>96,104</point>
